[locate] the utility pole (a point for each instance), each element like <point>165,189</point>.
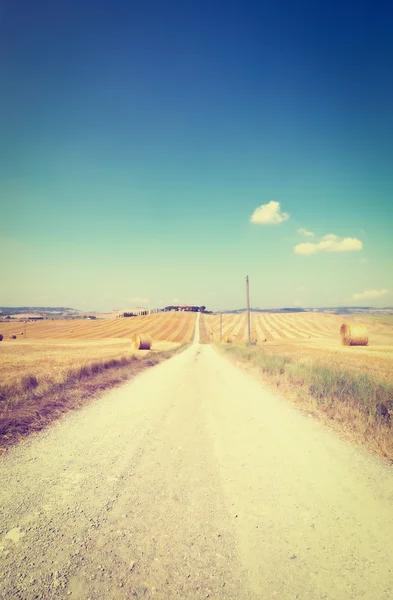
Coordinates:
<point>220,328</point>
<point>248,308</point>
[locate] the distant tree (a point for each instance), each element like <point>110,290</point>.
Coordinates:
<point>202,308</point>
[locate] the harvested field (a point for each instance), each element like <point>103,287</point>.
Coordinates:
<point>50,348</point>
<point>311,337</point>
<point>59,359</point>
<point>43,380</point>
<point>293,326</point>
<point>50,359</point>
<point>170,327</point>
<point>272,326</point>
<point>54,366</point>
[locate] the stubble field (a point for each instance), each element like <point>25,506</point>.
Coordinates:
<point>348,387</point>
<point>171,327</point>
<point>309,337</point>
<point>53,366</point>
<point>49,348</point>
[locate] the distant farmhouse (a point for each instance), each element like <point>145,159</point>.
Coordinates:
<point>186,308</point>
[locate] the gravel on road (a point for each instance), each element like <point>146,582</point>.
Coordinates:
<point>194,481</point>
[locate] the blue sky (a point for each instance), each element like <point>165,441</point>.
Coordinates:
<point>137,139</point>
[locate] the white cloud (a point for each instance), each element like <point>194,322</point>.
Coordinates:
<point>369,294</point>
<point>306,248</point>
<point>269,213</point>
<point>329,243</point>
<point>306,233</point>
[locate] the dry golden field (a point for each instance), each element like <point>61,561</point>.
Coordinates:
<point>310,337</point>
<point>170,327</point>
<point>55,366</point>
<point>50,348</point>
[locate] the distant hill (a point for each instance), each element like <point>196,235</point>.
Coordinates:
<point>63,312</point>
<point>19,312</point>
<point>335,310</point>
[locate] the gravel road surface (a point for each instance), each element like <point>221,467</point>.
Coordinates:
<point>194,481</point>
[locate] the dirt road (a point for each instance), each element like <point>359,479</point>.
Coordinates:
<point>194,481</point>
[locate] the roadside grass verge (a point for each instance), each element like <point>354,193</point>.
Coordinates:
<point>31,403</point>
<point>353,402</point>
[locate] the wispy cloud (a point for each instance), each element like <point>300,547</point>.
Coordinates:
<point>305,232</point>
<point>369,294</point>
<point>329,243</point>
<point>269,213</point>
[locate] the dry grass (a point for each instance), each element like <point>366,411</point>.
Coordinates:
<point>54,366</point>
<point>375,361</point>
<point>50,360</point>
<point>311,338</point>
<point>356,403</point>
<point>41,381</point>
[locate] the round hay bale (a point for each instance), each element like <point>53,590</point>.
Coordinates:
<point>12,337</point>
<point>142,341</point>
<point>228,339</point>
<point>354,334</point>
<point>21,332</point>
<point>1,337</point>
